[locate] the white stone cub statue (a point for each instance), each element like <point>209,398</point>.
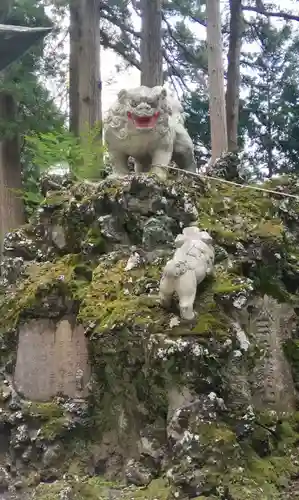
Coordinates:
<point>192,262</point>
<point>148,125</point>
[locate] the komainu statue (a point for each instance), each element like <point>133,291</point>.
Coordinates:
<point>148,125</point>
<point>192,262</point>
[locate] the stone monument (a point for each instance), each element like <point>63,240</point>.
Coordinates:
<point>52,359</point>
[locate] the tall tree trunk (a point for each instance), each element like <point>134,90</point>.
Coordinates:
<point>151,43</point>
<point>233,73</point>
<point>216,80</point>
<point>85,84</point>
<point>11,203</point>
<point>12,212</point>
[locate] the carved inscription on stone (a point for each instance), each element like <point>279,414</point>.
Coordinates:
<point>52,359</point>
<point>271,379</point>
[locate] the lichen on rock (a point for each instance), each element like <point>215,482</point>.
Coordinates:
<point>205,409</point>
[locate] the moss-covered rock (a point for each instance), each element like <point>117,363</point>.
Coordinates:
<point>98,488</point>
<point>161,411</point>
<point>291,348</point>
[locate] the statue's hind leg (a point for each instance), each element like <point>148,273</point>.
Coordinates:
<point>186,288</point>
<point>185,161</point>
<point>183,153</point>
<point>166,290</point>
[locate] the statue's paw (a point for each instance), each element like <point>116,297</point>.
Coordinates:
<point>189,317</point>
<point>160,172</point>
<point>193,322</point>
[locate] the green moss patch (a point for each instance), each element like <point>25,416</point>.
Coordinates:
<point>97,488</point>
<point>49,491</point>
<point>234,468</point>
<point>158,489</point>
<point>54,428</point>
<point>43,411</point>
<point>212,321</point>
<point>234,214</point>
<point>56,200</point>
<point>116,297</point>
<point>95,239</point>
<point>227,283</point>
<point>52,277</point>
<point>51,418</point>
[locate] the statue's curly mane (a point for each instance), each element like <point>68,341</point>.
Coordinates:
<point>117,116</point>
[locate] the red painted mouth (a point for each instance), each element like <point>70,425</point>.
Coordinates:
<point>144,121</point>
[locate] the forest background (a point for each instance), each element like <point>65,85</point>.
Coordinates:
<point>268,128</point>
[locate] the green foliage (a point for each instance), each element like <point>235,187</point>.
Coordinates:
<point>36,112</point>
<point>83,156</point>
<point>269,111</point>
<point>185,53</point>
<point>272,100</point>
<point>196,107</point>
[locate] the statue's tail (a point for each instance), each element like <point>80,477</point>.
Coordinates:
<point>174,269</point>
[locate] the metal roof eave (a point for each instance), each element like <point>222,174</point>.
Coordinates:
<point>16,40</point>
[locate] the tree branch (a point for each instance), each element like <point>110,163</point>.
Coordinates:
<point>192,17</point>
<point>120,49</point>
<point>177,42</point>
<point>107,13</point>
<point>263,12</point>
<point>174,71</point>
<point>120,25</point>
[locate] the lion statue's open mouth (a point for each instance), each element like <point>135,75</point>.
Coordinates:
<point>144,121</point>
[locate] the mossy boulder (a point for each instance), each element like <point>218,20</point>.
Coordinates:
<point>172,411</point>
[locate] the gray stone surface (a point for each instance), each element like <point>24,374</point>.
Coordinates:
<point>271,380</point>
<point>51,359</point>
